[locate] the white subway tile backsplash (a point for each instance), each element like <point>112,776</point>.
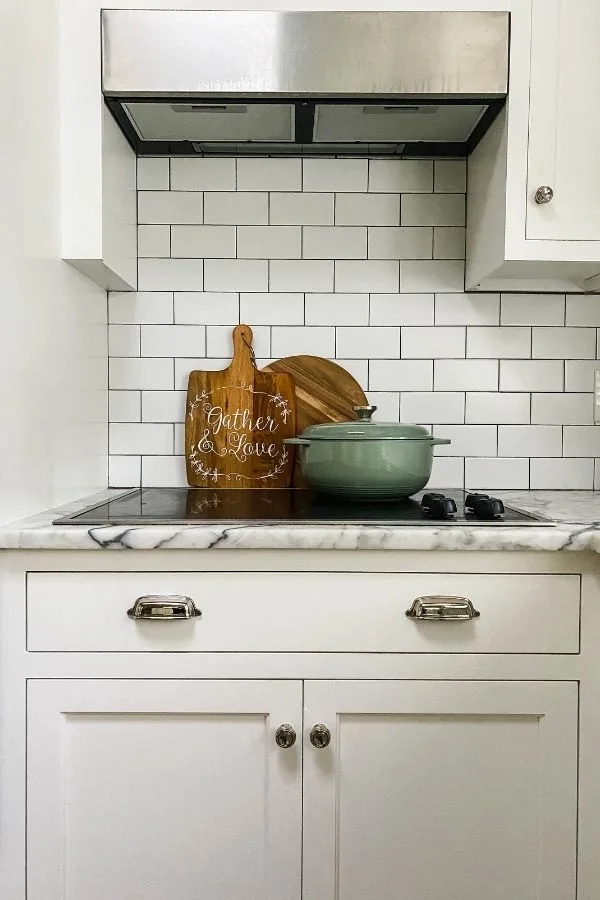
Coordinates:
<point>583,309</point>
<point>139,438</point>
<point>433,209</point>
<point>135,373</point>
<point>401,374</point>
<point>401,309</point>
<point>334,242</point>
<point>533,309</point>
<point>496,474</point>
<point>300,275</point>
<point>498,409</point>
<point>206,308</point>
<point>498,342</point>
<point>449,242</point>
<point>141,308</point>
<point>394,242</point>
<point>450,176</point>
<point>272,309</point>
<point>173,340</point>
<point>264,174</point>
<point>219,344</point>
<point>170,274</point>
<point>529,440</point>
<point>233,208</point>
<point>531,375</point>
<point>201,241</point>
<point>154,240</point>
<point>562,409</point>
<point>164,471</point>
<point>152,174</point>
<point>433,343</point>
<point>337,309</point>
<point>124,340</point>
<point>124,406</point>
<point>380,275</point>
<point>236,274</point>
<point>202,174</point>
<point>465,374</point>
<point>447,472</point>
<point>467,440</point>
<point>388,405</point>
<point>563,343</point>
<point>163,406</point>
<point>369,343</point>
<point>269,241</point>
<point>562,474</point>
<point>467,309</point>
<point>301,209</point>
<point>439,408</point>
<point>124,471</point>
<point>579,375</point>
<point>335,174</point>
<point>170,208</point>
<point>358,368</point>
<point>581,440</point>
<point>401,176</point>
<point>437,275</point>
<point>367,209</point>
<point>315,341</point>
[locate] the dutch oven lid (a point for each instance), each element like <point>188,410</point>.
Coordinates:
<point>365,430</point>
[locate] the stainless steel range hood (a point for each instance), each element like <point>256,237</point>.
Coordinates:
<point>286,83</point>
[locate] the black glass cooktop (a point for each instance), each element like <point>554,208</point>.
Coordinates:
<point>202,506</point>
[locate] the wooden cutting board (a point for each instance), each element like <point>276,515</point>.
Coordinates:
<point>235,423</point>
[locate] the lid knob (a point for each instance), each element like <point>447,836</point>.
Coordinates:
<point>364,413</point>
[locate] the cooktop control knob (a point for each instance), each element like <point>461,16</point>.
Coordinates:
<point>437,506</point>
<point>482,506</point>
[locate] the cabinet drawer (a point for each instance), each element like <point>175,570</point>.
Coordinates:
<point>302,612</point>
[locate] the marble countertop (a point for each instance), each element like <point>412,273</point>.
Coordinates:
<point>576,514</point>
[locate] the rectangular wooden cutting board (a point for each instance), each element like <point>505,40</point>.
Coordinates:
<point>235,423</point>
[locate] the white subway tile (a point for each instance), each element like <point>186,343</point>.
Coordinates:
<point>579,375</point>
<point>233,208</point>
<point>164,471</point>
<point>394,242</point>
<point>432,209</point>
<point>449,242</point>
<point>432,275</point>
<point>367,209</point>
<point>433,343</point>
<point>564,343</point>
<point>124,471</point>
<point>401,309</point>
<point>301,209</point>
<point>358,368</point>
<point>301,275</point>
<point>502,342</point>
<point>529,440</point>
<point>583,309</point>
<point>467,309</point>
<point>179,440</point>
<point>531,375</point>
<point>370,343</point>
<point>290,341</point>
<point>447,472</point>
<point>203,174</point>
<point>581,440</point>
<point>139,438</point>
<point>124,406</point>
<point>441,407</point>
<point>143,307</point>
<point>263,174</point>
<point>562,409</point>
<point>272,309</point>
<point>269,241</point>
<point>163,406</point>
<point>450,176</point>
<point>388,405</point>
<point>465,374</point>
<point>333,242</point>
<point>135,373</point>
<point>401,374</point>
<point>496,409</point>
<point>533,309</point>
<point>124,340</point>
<point>202,308</point>
<point>219,343</point>
<point>562,474</point>
<point>170,274</point>
<point>400,176</point>
<point>337,309</point>
<point>496,474</point>
<point>152,174</point>
<point>335,174</point>
<point>154,240</point>
<point>169,208</point>
<point>197,241</point>
<point>468,440</point>
<point>236,274</point>
<point>183,367</point>
<point>173,340</point>
<point>366,276</point>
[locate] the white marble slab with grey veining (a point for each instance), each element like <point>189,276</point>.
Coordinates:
<point>577,514</point>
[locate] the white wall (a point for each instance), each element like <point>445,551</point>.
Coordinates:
<point>53,371</point>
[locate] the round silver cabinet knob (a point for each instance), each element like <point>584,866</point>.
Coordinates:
<point>320,736</point>
<point>285,737</point>
<point>544,194</point>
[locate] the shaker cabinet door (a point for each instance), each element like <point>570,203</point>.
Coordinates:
<point>438,790</point>
<point>163,790</point>
<point>564,125</point>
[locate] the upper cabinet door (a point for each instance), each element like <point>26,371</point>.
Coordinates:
<point>166,790</point>
<point>564,125</point>
<point>441,789</point>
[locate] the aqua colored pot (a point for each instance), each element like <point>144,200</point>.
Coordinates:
<point>366,460</point>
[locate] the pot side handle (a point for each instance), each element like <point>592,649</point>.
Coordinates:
<point>297,442</point>
<point>437,441</point>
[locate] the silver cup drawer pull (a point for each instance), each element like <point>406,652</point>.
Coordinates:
<point>442,609</point>
<point>163,608</point>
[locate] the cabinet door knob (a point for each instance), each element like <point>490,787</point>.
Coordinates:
<point>544,194</point>
<point>320,736</point>
<point>163,608</point>
<point>285,737</point>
